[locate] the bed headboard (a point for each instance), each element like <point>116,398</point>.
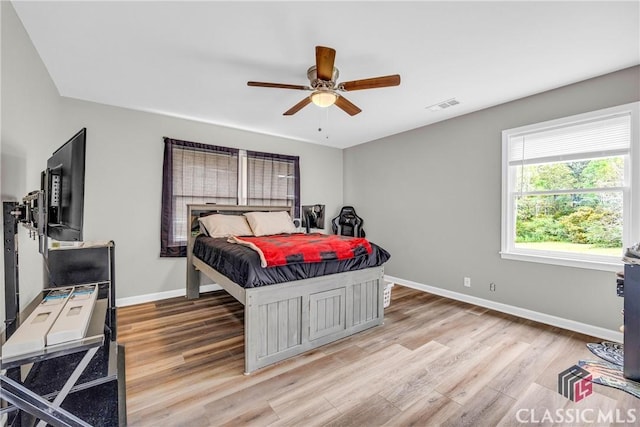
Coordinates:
<point>195,212</point>
<point>235,209</point>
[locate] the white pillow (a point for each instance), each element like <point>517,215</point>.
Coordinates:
<point>265,223</point>
<point>218,225</point>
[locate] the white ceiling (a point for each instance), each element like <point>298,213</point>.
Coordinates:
<point>193,59</point>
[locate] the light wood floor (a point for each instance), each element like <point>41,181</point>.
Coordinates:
<point>434,362</point>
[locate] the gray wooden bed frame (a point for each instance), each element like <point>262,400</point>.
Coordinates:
<point>287,319</point>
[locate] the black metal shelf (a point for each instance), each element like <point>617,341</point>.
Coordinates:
<point>80,382</point>
<point>632,321</point>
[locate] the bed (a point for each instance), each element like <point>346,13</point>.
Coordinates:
<point>288,318</point>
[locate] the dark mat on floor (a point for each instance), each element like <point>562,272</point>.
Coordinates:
<point>612,352</point>
<point>609,374</point>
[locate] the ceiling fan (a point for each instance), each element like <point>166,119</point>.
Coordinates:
<point>322,82</point>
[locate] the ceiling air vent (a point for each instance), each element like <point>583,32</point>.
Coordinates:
<point>443,104</point>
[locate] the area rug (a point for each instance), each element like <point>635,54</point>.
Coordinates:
<point>612,352</point>
<point>609,374</point>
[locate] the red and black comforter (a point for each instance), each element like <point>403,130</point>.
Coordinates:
<point>241,264</point>
<point>286,249</point>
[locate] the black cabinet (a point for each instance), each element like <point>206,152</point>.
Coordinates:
<point>632,321</point>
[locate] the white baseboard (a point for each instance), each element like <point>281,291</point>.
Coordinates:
<point>571,325</point>
<point>123,302</point>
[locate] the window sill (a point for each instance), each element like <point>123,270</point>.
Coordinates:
<point>602,265</point>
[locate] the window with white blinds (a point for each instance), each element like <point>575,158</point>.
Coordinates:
<point>271,179</point>
<point>195,173</point>
<point>568,186</point>
<point>201,176</point>
<point>590,139</point>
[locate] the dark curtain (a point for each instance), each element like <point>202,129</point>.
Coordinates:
<point>193,173</point>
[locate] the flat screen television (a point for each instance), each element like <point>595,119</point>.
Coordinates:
<point>63,184</point>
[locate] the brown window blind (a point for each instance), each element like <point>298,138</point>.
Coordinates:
<point>193,173</point>
<point>273,179</point>
<point>203,173</point>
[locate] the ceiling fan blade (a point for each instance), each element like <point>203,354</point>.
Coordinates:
<point>346,105</point>
<point>372,83</point>
<point>325,57</point>
<point>278,85</point>
<point>299,106</point>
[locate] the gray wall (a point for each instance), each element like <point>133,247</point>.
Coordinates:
<point>431,196</point>
<point>124,166</point>
<point>438,204</point>
<point>30,128</point>
<point>124,181</point>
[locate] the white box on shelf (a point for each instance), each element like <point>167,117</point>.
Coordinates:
<point>31,335</point>
<point>73,321</point>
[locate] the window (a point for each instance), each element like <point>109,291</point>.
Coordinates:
<point>568,189</point>
<point>202,173</point>
<point>272,179</point>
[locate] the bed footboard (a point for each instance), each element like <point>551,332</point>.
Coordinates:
<point>285,320</point>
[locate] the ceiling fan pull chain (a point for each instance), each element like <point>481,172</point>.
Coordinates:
<point>327,123</point>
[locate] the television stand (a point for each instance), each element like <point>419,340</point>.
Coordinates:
<point>59,372</point>
<point>75,383</point>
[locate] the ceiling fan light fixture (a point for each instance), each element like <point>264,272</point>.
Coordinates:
<point>324,98</point>
<point>322,83</point>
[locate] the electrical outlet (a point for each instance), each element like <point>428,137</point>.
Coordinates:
<point>492,287</point>
<point>467,282</point>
